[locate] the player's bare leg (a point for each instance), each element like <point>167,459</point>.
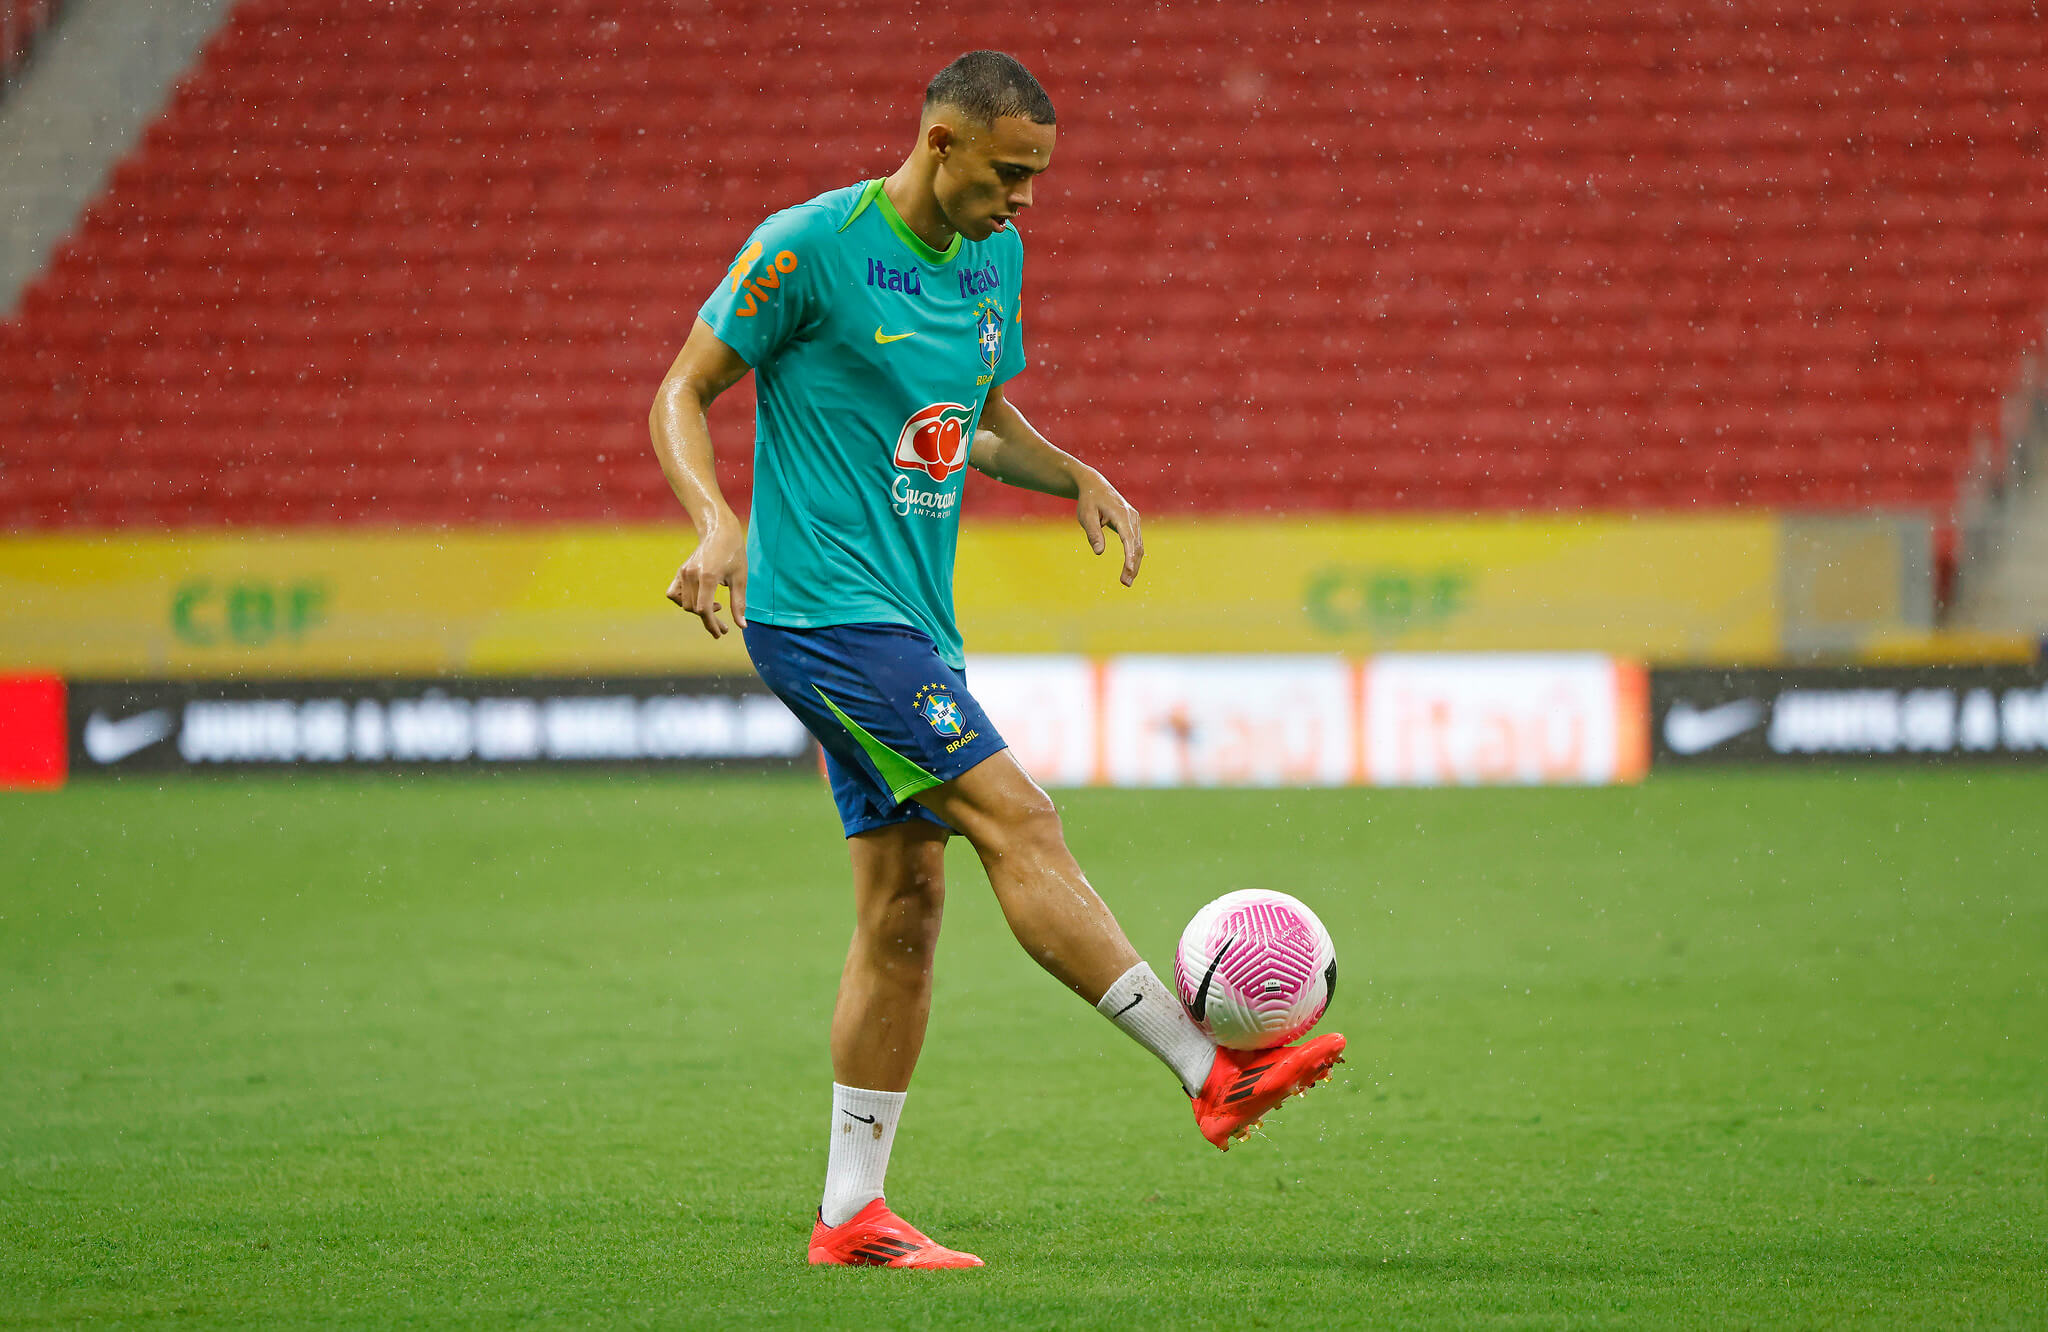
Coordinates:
<point>885,992</point>
<point>1058,917</point>
<point>885,997</point>
<point>1063,924</point>
<point>1047,901</point>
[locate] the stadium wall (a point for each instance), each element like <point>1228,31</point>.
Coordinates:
<point>1158,720</point>
<point>1400,719</point>
<point>1724,589</point>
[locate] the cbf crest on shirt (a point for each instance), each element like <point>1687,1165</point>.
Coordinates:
<point>873,354</point>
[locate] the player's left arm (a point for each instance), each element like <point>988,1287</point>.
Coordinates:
<point>1008,448</point>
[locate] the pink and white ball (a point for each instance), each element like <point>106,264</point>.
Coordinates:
<point>1255,968</point>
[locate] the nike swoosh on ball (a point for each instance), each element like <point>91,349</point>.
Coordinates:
<point>1200,1007</point>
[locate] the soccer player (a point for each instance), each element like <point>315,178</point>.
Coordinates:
<point>881,321</point>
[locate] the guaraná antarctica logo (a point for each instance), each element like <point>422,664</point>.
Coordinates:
<point>932,442</point>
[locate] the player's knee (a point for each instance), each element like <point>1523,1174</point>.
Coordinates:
<point>899,918</point>
<point>918,897</point>
<point>1031,829</point>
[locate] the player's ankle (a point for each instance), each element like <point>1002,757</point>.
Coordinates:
<point>863,1132</point>
<point>1141,1006</point>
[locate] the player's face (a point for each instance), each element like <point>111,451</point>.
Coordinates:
<point>985,174</point>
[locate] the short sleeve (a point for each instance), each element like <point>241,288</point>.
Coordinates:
<point>1012,360</point>
<point>767,296</point>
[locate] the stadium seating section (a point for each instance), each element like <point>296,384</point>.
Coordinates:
<point>426,262</point>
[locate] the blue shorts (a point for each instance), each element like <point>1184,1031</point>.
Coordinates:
<point>893,718</point>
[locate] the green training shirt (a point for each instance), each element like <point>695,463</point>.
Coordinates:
<point>873,354</point>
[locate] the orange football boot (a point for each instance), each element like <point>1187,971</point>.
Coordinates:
<point>1244,1084</point>
<point>877,1237</point>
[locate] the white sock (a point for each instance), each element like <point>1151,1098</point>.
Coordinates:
<point>863,1131</point>
<point>1147,1012</point>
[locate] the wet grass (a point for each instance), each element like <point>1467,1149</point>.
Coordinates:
<point>1755,1049</point>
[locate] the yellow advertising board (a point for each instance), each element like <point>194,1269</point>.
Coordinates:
<point>588,599</point>
<point>1660,589</point>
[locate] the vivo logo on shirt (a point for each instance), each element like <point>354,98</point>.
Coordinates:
<point>894,279</point>
<point>975,281</point>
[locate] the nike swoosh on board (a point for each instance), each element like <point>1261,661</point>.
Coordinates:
<point>1690,730</point>
<point>111,741</point>
<point>886,338</point>
<point>1200,1008</point>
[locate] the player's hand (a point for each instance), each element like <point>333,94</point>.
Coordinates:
<point>720,560</point>
<point>1100,506</point>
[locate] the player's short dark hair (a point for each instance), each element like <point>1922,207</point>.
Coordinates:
<point>988,84</point>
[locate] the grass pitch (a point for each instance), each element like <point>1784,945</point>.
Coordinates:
<point>1758,1049</point>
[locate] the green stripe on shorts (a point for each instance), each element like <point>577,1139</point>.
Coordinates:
<point>904,777</point>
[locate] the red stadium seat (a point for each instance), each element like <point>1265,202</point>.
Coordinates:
<point>383,263</point>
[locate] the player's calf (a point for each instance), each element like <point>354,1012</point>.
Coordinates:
<point>1049,904</point>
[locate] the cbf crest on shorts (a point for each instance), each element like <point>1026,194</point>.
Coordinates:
<point>935,704</point>
<point>988,332</point>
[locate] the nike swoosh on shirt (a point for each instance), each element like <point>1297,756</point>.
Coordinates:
<point>1200,1008</point>
<point>1689,730</point>
<point>886,338</point>
<point>111,741</point>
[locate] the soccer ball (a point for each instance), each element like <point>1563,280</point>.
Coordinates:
<point>1255,968</point>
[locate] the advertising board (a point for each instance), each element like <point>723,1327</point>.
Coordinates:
<point>1150,721</point>
<point>297,724</point>
<point>588,600</point>
<point>1890,713</point>
<point>1229,721</point>
<point>1313,720</point>
<point>1530,719</point>
<point>1047,709</point>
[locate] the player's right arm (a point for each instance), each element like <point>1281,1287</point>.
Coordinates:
<point>767,297</point>
<point>705,368</point>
